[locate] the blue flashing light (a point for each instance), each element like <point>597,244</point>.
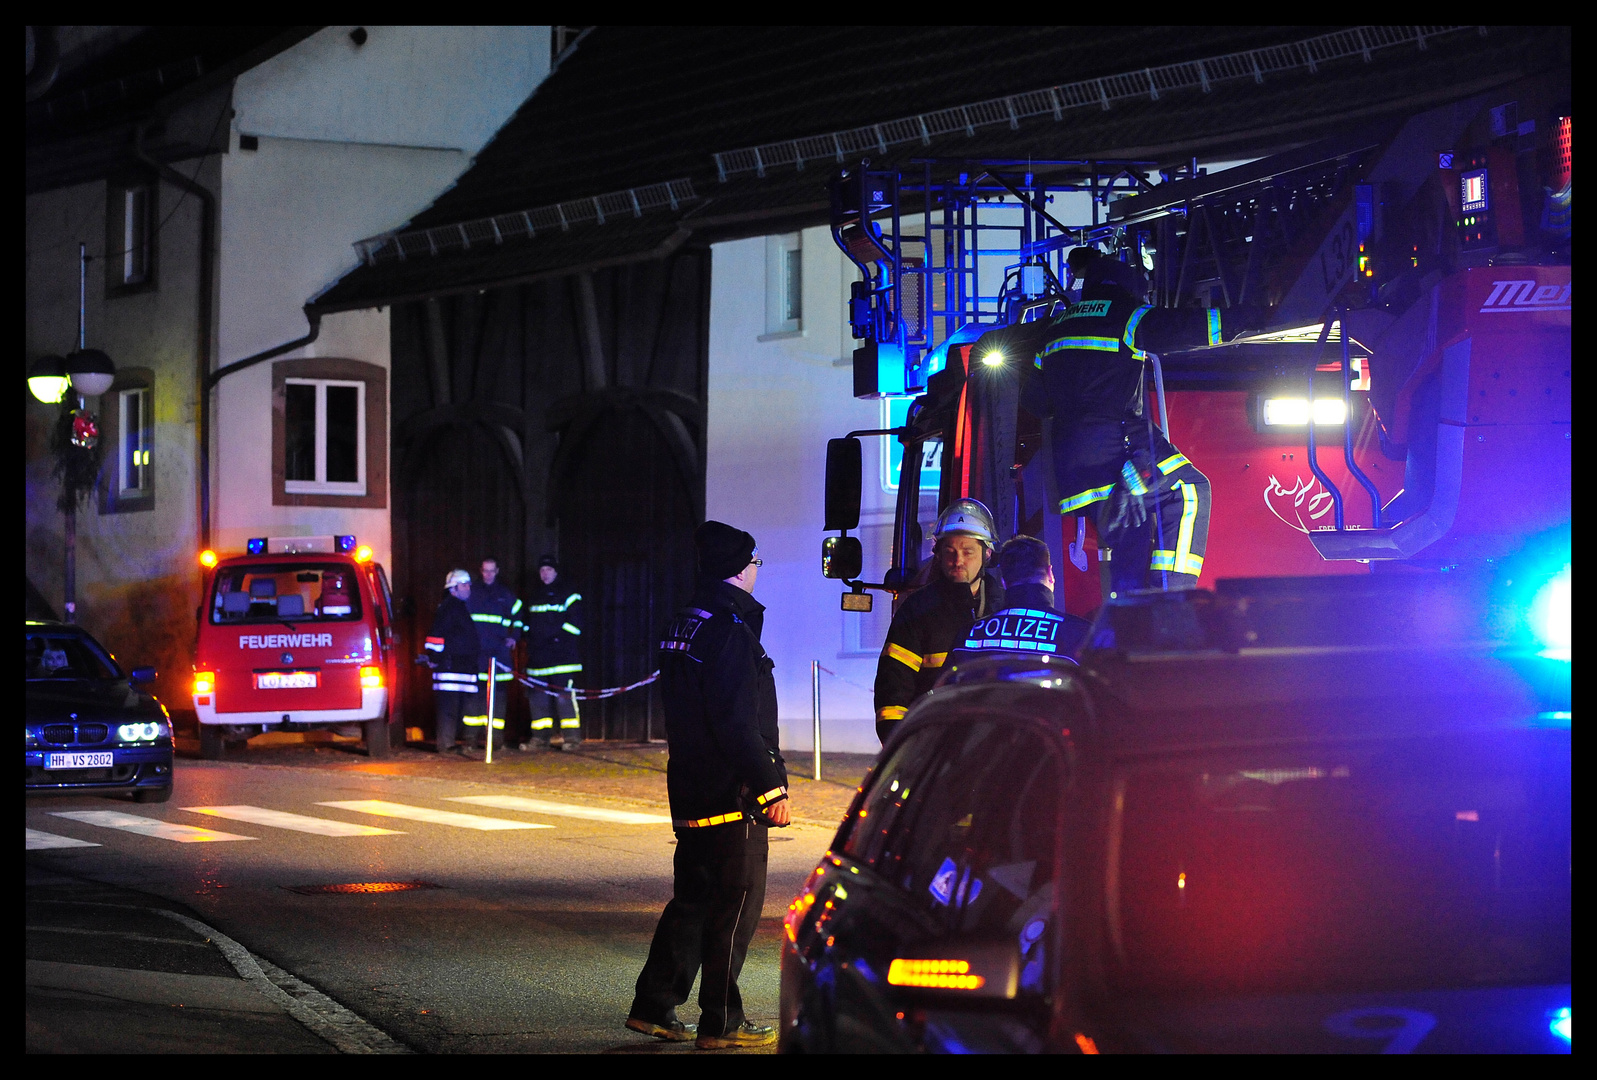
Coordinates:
<point>256,545</point>
<point>1550,616</point>
<point>345,544</point>
<point>1558,1023</point>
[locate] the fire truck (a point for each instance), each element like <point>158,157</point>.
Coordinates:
<point>295,634</point>
<point>1405,405</point>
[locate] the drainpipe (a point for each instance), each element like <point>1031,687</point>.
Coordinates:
<point>207,288</point>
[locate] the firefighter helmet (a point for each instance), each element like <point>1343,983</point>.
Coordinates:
<point>967,517</point>
<point>456,577</point>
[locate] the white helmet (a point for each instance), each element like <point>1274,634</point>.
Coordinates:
<point>967,517</point>
<point>456,577</point>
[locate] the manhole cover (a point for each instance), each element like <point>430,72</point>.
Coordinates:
<point>363,887</point>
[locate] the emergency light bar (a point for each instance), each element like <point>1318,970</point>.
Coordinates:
<point>301,545</point>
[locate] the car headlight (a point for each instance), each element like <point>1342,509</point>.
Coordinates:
<point>147,732</point>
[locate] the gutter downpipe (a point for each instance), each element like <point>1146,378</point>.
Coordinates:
<point>206,379</point>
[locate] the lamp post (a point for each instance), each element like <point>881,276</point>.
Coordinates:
<point>76,437</point>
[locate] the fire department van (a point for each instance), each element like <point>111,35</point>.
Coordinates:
<point>295,634</point>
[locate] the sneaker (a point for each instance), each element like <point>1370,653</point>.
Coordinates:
<point>675,1031</point>
<point>746,1034</point>
<point>568,747</point>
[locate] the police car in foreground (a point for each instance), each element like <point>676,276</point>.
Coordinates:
<point>89,729</point>
<point>1263,819</point>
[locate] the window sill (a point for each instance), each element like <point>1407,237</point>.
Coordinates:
<point>781,335</point>
<point>347,491</point>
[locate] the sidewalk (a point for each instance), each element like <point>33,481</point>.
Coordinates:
<point>113,971</point>
<point>622,772</point>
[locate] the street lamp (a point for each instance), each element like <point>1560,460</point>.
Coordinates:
<point>90,370</point>
<point>47,379</point>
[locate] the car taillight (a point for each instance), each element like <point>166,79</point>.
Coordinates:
<point>204,682</point>
<point>371,678</point>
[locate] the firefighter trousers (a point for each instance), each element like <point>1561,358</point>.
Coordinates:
<point>705,930</point>
<point>1166,551</point>
<point>554,710</point>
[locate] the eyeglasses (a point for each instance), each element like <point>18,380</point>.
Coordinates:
<point>756,562</point>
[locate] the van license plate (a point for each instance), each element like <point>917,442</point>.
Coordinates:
<point>78,761</point>
<point>285,680</point>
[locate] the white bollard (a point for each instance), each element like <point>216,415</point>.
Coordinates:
<point>815,715</point>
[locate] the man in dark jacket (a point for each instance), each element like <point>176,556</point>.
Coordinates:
<point>1107,450</point>
<point>727,784</point>
<point>1028,623</point>
<point>554,630</point>
<point>497,613</point>
<point>933,621</point>
<point>452,654</point>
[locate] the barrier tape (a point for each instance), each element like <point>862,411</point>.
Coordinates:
<point>580,694</point>
<point>844,679</point>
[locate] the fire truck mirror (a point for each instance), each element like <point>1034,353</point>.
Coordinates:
<point>844,473</point>
<point>841,557</point>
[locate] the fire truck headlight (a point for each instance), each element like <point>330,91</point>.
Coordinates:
<point>1294,412</point>
<point>993,359</point>
<point>1550,615</point>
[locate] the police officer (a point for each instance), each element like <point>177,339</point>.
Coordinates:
<point>933,621</point>
<point>1028,622</point>
<point>452,654</point>
<point>497,613</point>
<point>728,784</point>
<point>1107,450</point>
<point>554,630</point>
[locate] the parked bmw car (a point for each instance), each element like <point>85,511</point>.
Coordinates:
<point>1244,840</point>
<point>89,727</point>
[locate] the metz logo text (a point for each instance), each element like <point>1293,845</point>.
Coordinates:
<point>1508,296</point>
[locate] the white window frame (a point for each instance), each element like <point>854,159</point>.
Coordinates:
<point>321,485</point>
<point>139,482</point>
<point>135,234</point>
<point>784,283</point>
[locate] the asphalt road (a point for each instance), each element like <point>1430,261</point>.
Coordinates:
<point>527,936</point>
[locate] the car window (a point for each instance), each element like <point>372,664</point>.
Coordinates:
<point>286,592</point>
<point>1415,864</point>
<point>67,656</point>
<point>973,843</point>
<point>873,832</point>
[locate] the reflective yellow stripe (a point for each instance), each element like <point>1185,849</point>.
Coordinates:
<point>1172,463</point>
<point>1189,515</point>
<point>1086,498</point>
<point>1214,326</point>
<point>1131,330</point>
<point>700,823</point>
<point>568,628</point>
<point>543,723</point>
<point>479,721</point>
<point>558,669</point>
<point>891,712</point>
<point>770,796</point>
<point>903,656</point>
<point>1163,560</point>
<point>1093,343</point>
<point>934,659</point>
<point>572,599</point>
<point>485,618</point>
<point>1193,565</point>
<point>570,722</point>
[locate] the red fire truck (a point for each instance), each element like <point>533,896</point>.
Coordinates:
<point>296,633</point>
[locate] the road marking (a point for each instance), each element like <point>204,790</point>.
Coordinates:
<point>281,819</point>
<point>382,808</point>
<point>163,830</point>
<point>541,806</point>
<point>44,841</point>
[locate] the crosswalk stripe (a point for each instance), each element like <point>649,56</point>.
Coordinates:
<point>163,830</point>
<point>44,841</point>
<point>382,808</point>
<point>281,819</point>
<point>542,806</point>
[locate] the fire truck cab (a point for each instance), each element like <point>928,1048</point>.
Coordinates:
<point>296,633</point>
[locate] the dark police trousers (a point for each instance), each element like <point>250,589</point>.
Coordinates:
<point>718,892</point>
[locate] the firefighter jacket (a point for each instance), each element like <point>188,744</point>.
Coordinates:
<point>1092,365</point>
<point>452,648</point>
<point>1027,623</point>
<point>497,613</point>
<point>554,631</point>
<point>931,624</point>
<point>720,710</point>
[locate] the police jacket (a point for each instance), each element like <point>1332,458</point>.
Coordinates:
<point>720,710</point>
<point>497,613</point>
<point>554,631</point>
<point>1091,362</point>
<point>452,647</point>
<point>1027,623</point>
<point>930,625</point>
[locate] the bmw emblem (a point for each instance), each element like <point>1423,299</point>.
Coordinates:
<point>288,658</point>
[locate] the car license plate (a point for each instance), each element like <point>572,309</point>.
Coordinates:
<point>78,761</point>
<point>285,680</point>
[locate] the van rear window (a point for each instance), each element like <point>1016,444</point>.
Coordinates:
<point>285,592</point>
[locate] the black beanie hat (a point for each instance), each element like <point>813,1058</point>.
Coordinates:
<point>548,560</point>
<point>723,550</point>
